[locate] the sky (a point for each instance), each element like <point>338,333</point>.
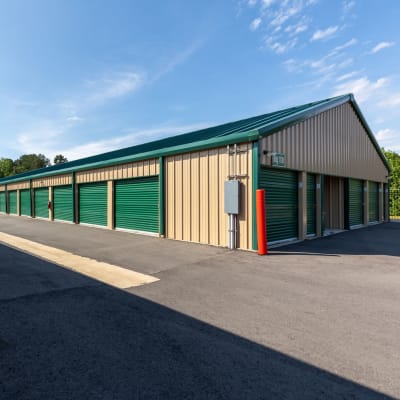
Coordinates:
<point>85,77</point>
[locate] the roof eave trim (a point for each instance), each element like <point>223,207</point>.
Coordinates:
<point>242,137</point>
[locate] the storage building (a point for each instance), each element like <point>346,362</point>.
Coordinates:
<point>319,163</point>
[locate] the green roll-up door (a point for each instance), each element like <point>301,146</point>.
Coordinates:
<point>93,203</point>
<point>12,198</point>
<point>281,203</point>
<point>311,204</point>
<point>63,203</point>
<point>137,204</point>
<point>41,203</point>
<point>373,204</point>
<point>25,202</point>
<point>356,194</point>
<point>3,202</point>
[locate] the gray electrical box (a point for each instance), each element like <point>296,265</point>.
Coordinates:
<point>231,197</point>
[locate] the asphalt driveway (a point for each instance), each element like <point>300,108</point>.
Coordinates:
<point>318,319</point>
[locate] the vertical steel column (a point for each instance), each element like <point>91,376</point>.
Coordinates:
<point>74,199</point>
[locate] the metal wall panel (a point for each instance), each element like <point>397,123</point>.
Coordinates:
<point>333,203</point>
<point>373,202</point>
<point>122,171</point>
<point>137,204</point>
<point>281,203</point>
<point>195,196</point>
<point>12,201</point>
<point>41,202</point>
<point>93,203</point>
<point>58,180</point>
<point>26,202</point>
<point>3,202</point>
<point>18,185</point>
<point>332,143</point>
<point>63,203</point>
<point>311,204</point>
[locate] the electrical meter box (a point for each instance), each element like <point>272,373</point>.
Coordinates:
<point>231,197</point>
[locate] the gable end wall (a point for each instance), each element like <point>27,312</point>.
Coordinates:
<point>331,143</point>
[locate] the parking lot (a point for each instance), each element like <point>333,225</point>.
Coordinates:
<point>317,319</point>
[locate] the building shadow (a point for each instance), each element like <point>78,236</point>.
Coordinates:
<point>380,239</point>
<point>64,336</point>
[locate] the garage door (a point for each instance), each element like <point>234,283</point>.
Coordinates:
<point>137,204</point>
<point>3,202</point>
<point>93,203</point>
<point>41,203</point>
<point>311,204</point>
<point>63,203</point>
<point>12,198</point>
<point>25,202</point>
<point>373,204</point>
<point>356,195</point>
<point>281,203</point>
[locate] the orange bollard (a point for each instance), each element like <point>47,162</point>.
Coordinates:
<point>261,223</point>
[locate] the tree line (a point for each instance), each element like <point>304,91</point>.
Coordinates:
<point>394,182</point>
<point>27,162</point>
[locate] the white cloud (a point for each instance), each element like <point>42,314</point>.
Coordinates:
<point>389,139</point>
<point>112,87</point>
<point>255,24</point>
<point>324,34</point>
<point>130,139</point>
<point>380,46</point>
<point>266,3</point>
<point>349,75</point>
<point>280,47</point>
<point>391,101</point>
<point>74,118</point>
<point>252,3</point>
<point>362,88</point>
<point>349,43</point>
<point>348,5</point>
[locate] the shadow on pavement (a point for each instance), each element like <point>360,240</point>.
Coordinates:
<point>92,341</point>
<point>382,239</point>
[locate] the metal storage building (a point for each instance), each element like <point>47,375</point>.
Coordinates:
<point>319,163</point>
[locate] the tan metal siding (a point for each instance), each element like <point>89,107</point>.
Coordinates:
<point>331,143</point>
<point>195,196</point>
<point>123,171</point>
<point>57,180</point>
<point>2,188</point>
<point>19,185</point>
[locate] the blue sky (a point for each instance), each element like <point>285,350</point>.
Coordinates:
<point>84,77</point>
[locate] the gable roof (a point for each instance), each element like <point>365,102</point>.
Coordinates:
<point>245,130</point>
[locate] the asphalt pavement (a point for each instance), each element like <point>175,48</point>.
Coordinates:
<point>314,320</point>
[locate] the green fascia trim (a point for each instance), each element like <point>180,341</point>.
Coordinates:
<point>162,197</point>
<point>255,177</point>
<point>370,134</point>
<point>241,137</point>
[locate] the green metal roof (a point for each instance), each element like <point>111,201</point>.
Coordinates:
<point>245,130</point>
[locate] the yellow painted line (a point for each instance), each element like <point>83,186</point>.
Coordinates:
<point>110,274</point>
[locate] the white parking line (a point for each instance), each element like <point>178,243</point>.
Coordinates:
<point>110,274</point>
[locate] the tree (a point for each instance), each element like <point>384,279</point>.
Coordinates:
<point>6,167</point>
<point>28,162</point>
<point>394,160</point>
<point>60,159</point>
